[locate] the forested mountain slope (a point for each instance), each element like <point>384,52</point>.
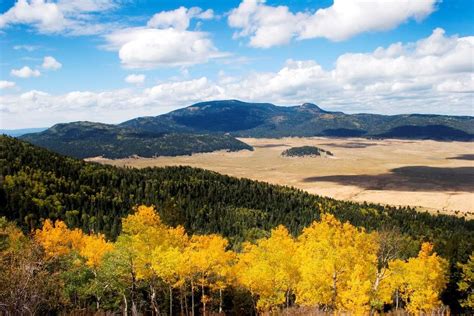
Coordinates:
<point>210,126</point>
<point>88,139</point>
<point>268,120</point>
<point>37,184</point>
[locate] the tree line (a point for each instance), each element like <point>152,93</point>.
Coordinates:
<point>36,185</point>
<point>152,267</point>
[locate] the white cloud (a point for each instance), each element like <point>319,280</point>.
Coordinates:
<point>86,5</point>
<point>178,19</point>
<point>72,17</point>
<point>166,41</point>
<point>402,78</point>
<point>28,48</point>
<point>188,91</point>
<point>149,48</point>
<point>6,84</point>
<point>135,79</point>
<point>51,63</point>
<point>45,16</point>
<point>428,60</point>
<point>269,26</point>
<point>463,84</point>
<point>25,72</point>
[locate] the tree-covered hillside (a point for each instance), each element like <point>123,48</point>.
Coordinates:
<point>268,120</point>
<point>213,125</point>
<point>37,184</point>
<point>87,139</point>
<point>156,269</point>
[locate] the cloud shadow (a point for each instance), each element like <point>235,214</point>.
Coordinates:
<point>409,178</point>
<point>469,157</point>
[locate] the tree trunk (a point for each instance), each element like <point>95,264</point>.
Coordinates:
<point>134,289</point>
<point>192,297</point>
<point>220,301</point>
<point>153,302</point>
<point>125,307</point>
<point>396,299</point>
<point>186,308</point>
<point>203,299</point>
<point>287,300</point>
<point>375,287</point>
<point>134,309</point>
<point>181,299</point>
<point>171,301</point>
<point>334,290</point>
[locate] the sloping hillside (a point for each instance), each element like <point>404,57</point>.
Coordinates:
<point>37,184</point>
<point>268,120</point>
<point>87,139</point>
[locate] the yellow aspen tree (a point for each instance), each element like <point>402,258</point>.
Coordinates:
<point>466,284</point>
<point>57,240</point>
<point>420,280</point>
<point>337,264</point>
<point>170,263</point>
<point>94,248</point>
<point>208,258</point>
<point>268,269</point>
<point>390,243</point>
<point>142,232</point>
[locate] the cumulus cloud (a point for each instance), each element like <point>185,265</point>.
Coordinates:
<point>65,16</point>
<point>25,72</point>
<point>6,84</point>
<point>135,79</point>
<point>269,25</point>
<point>150,48</point>
<point>432,75</point>
<point>50,63</point>
<point>179,18</point>
<point>166,41</point>
<point>412,65</point>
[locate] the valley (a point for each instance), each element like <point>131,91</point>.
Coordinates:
<point>426,174</point>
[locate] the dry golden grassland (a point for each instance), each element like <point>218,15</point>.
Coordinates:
<point>430,175</point>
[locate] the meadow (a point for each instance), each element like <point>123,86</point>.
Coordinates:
<point>425,174</point>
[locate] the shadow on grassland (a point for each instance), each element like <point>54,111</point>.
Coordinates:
<point>469,157</point>
<point>409,178</point>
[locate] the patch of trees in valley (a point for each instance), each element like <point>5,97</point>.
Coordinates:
<point>37,185</point>
<point>306,151</point>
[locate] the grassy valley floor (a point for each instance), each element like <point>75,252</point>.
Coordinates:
<point>430,175</point>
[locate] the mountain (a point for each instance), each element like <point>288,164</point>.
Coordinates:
<point>268,120</point>
<point>87,139</point>
<point>213,125</point>
<point>21,131</point>
<point>38,184</point>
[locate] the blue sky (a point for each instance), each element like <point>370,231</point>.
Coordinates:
<point>109,60</point>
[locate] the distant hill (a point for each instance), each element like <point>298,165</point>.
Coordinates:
<point>87,139</point>
<point>213,125</point>
<point>267,120</point>
<point>21,131</point>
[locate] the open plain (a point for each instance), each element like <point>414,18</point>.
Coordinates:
<point>429,175</point>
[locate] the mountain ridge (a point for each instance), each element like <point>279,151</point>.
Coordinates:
<point>215,125</point>
<point>243,119</point>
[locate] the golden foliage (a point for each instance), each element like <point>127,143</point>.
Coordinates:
<point>269,269</point>
<point>337,264</point>
<point>420,280</point>
<point>330,265</point>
